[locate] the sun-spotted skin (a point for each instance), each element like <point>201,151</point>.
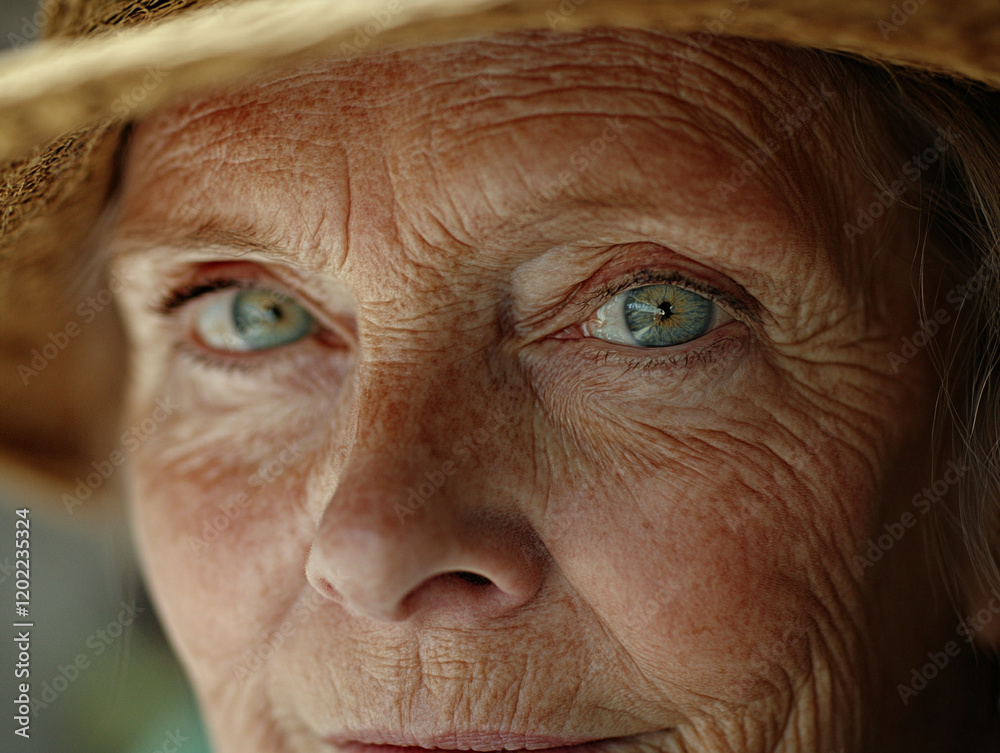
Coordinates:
<point>670,543</point>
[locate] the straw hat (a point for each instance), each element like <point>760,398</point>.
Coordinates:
<point>64,104</point>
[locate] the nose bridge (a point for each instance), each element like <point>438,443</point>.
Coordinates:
<point>397,433</point>
<point>423,429</point>
<point>419,519</point>
<point>411,406</point>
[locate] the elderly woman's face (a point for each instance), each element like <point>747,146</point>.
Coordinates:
<point>499,409</point>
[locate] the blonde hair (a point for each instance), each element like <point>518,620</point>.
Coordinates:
<point>957,202</point>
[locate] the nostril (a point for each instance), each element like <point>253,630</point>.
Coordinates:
<point>473,578</point>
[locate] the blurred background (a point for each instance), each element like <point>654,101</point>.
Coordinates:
<point>98,685</point>
<point>15,14</point>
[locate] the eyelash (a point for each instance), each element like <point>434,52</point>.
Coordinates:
<point>706,355</point>
<point>642,277</point>
<point>175,299</point>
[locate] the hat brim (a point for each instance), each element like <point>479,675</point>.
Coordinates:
<point>56,87</point>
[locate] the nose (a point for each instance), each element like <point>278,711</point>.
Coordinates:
<point>421,526</point>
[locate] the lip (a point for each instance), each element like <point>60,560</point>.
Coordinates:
<point>378,741</point>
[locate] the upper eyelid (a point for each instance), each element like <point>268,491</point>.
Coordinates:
<point>179,297</point>
<point>176,299</point>
<point>202,281</point>
<point>653,276</point>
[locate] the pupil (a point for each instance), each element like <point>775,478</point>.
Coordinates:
<point>666,310</point>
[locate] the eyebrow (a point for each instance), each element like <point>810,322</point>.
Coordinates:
<point>250,242</point>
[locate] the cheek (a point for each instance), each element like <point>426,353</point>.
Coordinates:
<point>707,563</point>
<point>223,541</point>
<point>218,496</point>
<point>690,600</point>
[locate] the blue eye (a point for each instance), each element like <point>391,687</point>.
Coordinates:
<point>656,316</point>
<point>249,319</point>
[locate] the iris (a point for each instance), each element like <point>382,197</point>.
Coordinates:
<point>655,316</point>
<point>662,315</point>
<point>253,319</point>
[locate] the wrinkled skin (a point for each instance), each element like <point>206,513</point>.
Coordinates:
<point>670,537</point>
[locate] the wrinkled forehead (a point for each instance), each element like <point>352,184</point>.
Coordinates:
<point>510,132</point>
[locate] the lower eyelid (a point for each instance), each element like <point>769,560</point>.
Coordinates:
<point>203,357</point>
<point>704,351</point>
<point>279,363</point>
<point>687,362</point>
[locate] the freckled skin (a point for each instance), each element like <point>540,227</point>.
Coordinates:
<point>667,549</point>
